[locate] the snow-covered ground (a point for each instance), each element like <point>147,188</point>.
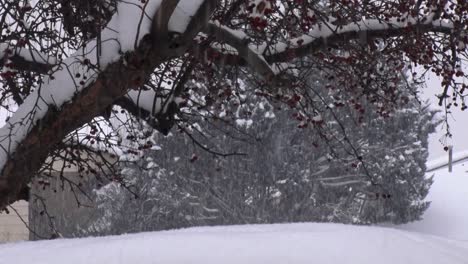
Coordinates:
<point>447,215</point>
<point>288,243</point>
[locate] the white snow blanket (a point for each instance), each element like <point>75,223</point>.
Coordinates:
<point>272,244</point>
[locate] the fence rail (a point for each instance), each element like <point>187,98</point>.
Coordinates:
<point>447,162</point>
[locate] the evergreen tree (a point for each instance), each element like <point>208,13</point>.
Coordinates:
<point>377,175</point>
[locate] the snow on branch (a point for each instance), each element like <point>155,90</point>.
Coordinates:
<point>74,74</point>
<point>326,34</point>
<point>149,102</point>
<point>262,58</point>
<point>144,102</point>
<point>238,40</point>
<point>87,82</point>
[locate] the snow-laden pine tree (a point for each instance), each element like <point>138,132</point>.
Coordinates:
<point>396,155</point>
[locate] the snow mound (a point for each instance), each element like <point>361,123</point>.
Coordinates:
<point>281,243</point>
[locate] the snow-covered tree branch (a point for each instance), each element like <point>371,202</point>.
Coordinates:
<point>63,102</point>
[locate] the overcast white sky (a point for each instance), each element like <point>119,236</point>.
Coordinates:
<point>458,122</point>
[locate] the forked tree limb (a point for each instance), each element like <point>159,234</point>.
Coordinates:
<point>112,83</point>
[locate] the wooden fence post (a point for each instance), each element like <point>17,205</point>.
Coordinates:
<point>450,158</point>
